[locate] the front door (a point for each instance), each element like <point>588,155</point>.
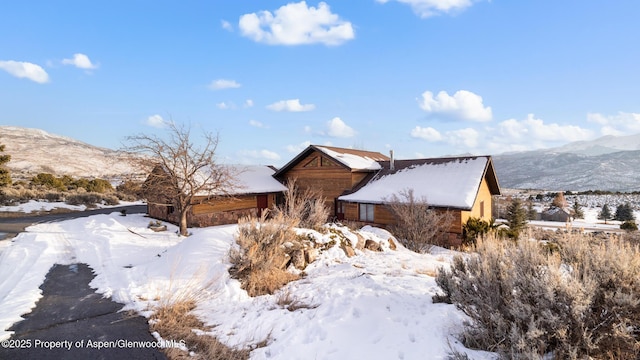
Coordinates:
<point>263,203</point>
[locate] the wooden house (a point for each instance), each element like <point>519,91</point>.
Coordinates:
<point>462,186</point>
<point>334,171</point>
<point>255,189</point>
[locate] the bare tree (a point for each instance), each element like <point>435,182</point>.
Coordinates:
<point>418,226</point>
<point>180,169</point>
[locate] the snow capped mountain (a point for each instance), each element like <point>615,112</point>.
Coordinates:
<point>36,151</point>
<point>607,163</point>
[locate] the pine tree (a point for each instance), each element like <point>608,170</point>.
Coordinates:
<point>577,210</point>
<point>624,212</point>
<point>516,217</point>
<point>532,214</point>
<point>605,213</point>
<point>5,176</point>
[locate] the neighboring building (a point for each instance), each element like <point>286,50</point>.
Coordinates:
<point>332,170</point>
<point>256,190</point>
<point>556,214</point>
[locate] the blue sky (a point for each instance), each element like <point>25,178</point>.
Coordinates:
<point>425,78</point>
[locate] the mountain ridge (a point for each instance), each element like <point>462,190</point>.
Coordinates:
<point>607,163</point>
<point>36,151</point>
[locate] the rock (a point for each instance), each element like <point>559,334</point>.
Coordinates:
<point>298,259</point>
<point>348,250</point>
<point>372,245</point>
<point>311,255</point>
<point>361,241</point>
<point>392,244</point>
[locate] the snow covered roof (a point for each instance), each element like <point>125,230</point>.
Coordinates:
<point>254,179</point>
<point>354,160</point>
<point>443,182</point>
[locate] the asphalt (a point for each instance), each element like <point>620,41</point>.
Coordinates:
<point>72,321</point>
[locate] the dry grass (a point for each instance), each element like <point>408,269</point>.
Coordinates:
<point>176,322</point>
<point>304,208</point>
<point>260,260</point>
<point>287,300</point>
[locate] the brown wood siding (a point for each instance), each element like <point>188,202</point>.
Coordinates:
<point>332,181</point>
<point>225,204</point>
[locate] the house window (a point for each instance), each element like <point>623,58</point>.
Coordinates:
<point>482,209</point>
<point>366,212</point>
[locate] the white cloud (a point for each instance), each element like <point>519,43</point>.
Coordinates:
<point>248,103</point>
<point>296,24</point>
<point>622,123</point>
<point>226,25</point>
<point>257,124</point>
<point>224,106</point>
<point>26,70</point>
<point>223,84</point>
<point>156,121</point>
<point>429,8</point>
<point>532,129</point>
<point>80,61</point>
<point>260,154</point>
<point>298,147</point>
<point>464,137</point>
<point>338,128</point>
<point>428,133</point>
<point>292,105</point>
<point>463,105</point>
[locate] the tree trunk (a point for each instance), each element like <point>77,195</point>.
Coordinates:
<point>183,223</point>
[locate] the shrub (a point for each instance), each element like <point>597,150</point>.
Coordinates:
<point>49,181</point>
<point>259,261</point>
<point>87,199</point>
<point>305,208</point>
<point>418,226</point>
<point>581,300</point>
<point>473,229</point>
<point>629,225</point>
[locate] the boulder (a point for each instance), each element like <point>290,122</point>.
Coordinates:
<point>298,259</point>
<point>392,244</point>
<point>372,245</point>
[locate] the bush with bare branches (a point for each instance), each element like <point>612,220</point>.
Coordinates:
<point>304,207</point>
<point>577,299</point>
<point>260,259</point>
<point>418,226</point>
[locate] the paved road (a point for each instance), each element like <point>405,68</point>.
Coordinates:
<point>14,225</point>
<point>73,316</point>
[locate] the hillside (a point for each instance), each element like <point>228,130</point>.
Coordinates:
<point>35,151</point>
<point>607,163</point>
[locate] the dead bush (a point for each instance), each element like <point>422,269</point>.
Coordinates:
<point>259,261</point>
<point>418,226</point>
<point>306,208</point>
<point>581,300</point>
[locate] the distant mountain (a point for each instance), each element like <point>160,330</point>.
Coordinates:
<point>35,151</point>
<point>607,163</point>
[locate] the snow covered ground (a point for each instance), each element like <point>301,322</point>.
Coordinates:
<point>375,305</point>
<point>34,206</point>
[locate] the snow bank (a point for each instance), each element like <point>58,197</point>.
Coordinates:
<point>375,305</point>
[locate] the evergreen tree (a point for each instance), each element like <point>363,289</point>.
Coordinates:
<point>5,176</point>
<point>577,210</point>
<point>605,213</point>
<point>624,212</point>
<point>516,217</point>
<point>532,214</point>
